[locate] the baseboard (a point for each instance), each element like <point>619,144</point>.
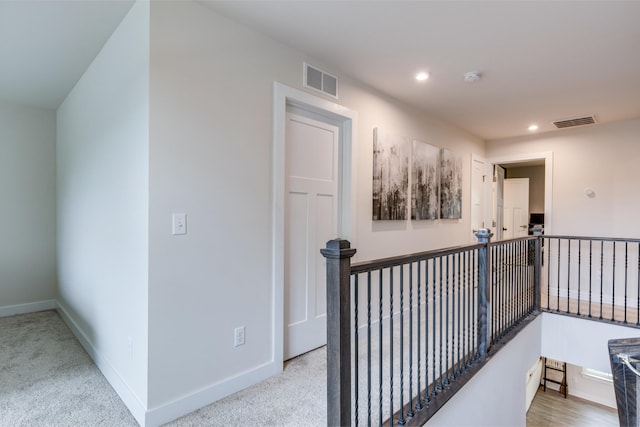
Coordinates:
<point>128,397</point>
<point>187,404</point>
<point>31,307</point>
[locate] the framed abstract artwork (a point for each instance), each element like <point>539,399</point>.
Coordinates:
<point>390,175</point>
<point>450,185</point>
<point>425,166</point>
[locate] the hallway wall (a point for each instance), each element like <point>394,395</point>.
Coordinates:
<point>28,193</point>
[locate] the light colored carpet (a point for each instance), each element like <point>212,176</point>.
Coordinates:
<point>297,397</point>
<point>47,379</point>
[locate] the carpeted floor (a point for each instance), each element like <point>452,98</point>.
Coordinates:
<point>47,379</point>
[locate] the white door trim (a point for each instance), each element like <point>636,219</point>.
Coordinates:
<point>347,119</point>
<point>485,196</point>
<point>547,156</point>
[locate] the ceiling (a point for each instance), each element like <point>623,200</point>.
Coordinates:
<point>540,60</point>
<point>46,45</point>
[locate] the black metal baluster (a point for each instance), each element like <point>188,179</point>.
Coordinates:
<point>494,294</point>
<point>458,311</point>
<point>380,376</point>
<point>513,296</point>
<point>638,290</point>
<point>613,283</point>
<point>470,286</point>
<point>558,282</point>
<point>590,273</point>
<point>453,316</point>
<point>410,412</point>
<point>368,348</point>
<point>401,420</point>
<point>503,288</point>
<point>626,265</point>
<point>548,274</point>
<point>426,333</point>
<point>433,281</point>
<point>391,345</point>
<point>601,273</point>
<point>568,272</point>
<point>579,272</point>
<point>465,307</point>
<point>442,306</point>
<point>474,342</point>
<point>355,347</point>
<point>418,405</point>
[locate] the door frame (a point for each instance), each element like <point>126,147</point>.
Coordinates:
<point>346,120</point>
<point>485,193</point>
<point>547,156</point>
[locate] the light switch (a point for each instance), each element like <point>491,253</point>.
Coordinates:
<point>179,224</point>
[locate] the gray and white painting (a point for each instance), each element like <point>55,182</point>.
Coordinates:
<point>390,175</point>
<point>450,185</point>
<point>424,181</point>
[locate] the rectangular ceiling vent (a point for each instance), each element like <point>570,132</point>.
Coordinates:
<point>319,80</point>
<point>577,121</point>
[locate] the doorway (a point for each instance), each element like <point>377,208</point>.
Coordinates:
<point>314,201</point>
<point>538,168</point>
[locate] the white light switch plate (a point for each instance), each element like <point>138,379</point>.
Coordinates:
<point>179,224</point>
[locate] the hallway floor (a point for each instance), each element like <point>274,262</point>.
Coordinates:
<point>551,409</point>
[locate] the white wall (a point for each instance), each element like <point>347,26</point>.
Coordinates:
<point>210,156</point>
<point>580,342</point>
<point>589,388</point>
<point>601,157</point>
<point>496,396</point>
<point>27,194</point>
<point>102,180</point>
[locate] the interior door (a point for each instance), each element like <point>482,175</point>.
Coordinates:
<point>516,207</point>
<point>311,220</point>
<point>477,192</point>
<point>498,202</point>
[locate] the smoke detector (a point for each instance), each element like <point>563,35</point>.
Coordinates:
<point>472,76</point>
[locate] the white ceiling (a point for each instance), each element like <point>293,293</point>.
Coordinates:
<point>45,46</point>
<point>540,60</point>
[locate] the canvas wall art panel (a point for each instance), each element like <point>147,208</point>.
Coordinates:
<point>450,185</point>
<point>390,175</point>
<point>424,181</point>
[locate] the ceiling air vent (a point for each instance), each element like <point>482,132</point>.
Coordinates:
<point>577,121</point>
<point>319,80</point>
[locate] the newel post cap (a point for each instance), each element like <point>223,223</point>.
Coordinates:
<point>338,249</point>
<point>483,235</point>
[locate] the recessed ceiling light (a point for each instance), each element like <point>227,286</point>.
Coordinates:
<point>422,76</point>
<point>533,128</point>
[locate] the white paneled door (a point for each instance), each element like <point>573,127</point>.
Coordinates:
<point>311,220</point>
<point>516,207</point>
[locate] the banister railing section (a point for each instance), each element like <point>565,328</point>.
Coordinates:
<point>404,334</point>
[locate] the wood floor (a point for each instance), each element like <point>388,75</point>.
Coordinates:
<point>551,409</point>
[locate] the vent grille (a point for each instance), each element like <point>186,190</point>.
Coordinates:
<point>314,78</point>
<point>577,121</point>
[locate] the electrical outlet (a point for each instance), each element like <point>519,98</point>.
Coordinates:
<point>179,224</point>
<point>238,336</point>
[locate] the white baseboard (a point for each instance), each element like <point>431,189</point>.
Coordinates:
<point>31,307</point>
<point>187,404</point>
<point>129,398</point>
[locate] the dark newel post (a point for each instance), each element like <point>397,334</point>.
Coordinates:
<point>537,264</point>
<point>483,237</point>
<point>338,254</point>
